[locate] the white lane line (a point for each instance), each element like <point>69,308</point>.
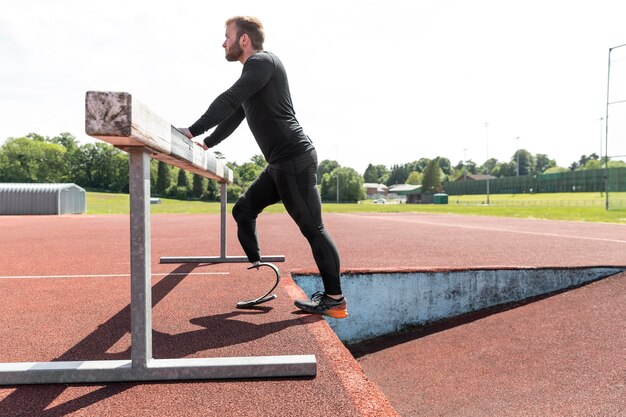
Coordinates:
<point>109,275</point>
<point>523,232</point>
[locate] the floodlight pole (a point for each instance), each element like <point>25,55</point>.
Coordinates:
<point>606,132</point>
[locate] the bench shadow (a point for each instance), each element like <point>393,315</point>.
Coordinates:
<point>34,400</point>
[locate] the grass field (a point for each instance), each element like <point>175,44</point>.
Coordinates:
<point>574,206</point>
<point>553,199</point>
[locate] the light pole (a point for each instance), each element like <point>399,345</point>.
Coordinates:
<point>601,129</point>
<point>606,127</point>
<point>487,162</point>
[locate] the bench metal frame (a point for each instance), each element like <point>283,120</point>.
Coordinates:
<point>223,257</point>
<point>138,139</point>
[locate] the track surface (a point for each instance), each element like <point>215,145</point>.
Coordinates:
<point>64,294</point>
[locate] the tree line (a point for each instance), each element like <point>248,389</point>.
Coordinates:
<point>432,173</point>
<point>101,167</point>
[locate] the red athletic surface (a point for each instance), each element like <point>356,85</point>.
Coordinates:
<point>563,355</point>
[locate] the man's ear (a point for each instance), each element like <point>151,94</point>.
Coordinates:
<point>244,40</point>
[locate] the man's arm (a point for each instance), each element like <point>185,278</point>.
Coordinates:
<point>224,129</point>
<point>256,73</point>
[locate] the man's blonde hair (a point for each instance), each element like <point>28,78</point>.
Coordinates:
<point>252,27</point>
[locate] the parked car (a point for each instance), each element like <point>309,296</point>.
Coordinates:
<point>380,201</point>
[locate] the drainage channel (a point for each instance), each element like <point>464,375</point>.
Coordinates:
<point>387,303</point>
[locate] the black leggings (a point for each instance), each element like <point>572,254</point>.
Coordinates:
<point>293,182</point>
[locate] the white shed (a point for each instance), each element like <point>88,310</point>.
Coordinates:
<point>41,199</point>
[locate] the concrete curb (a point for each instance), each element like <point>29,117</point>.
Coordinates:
<point>365,395</point>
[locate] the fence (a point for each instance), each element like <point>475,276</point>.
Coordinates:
<point>561,182</point>
<point>616,203</point>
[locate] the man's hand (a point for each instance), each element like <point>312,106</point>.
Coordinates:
<point>202,145</point>
<point>185,132</point>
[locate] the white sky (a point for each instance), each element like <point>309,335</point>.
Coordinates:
<point>380,81</point>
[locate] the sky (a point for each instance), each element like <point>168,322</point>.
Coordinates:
<point>372,81</point>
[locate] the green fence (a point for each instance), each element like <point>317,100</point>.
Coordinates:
<point>561,182</point>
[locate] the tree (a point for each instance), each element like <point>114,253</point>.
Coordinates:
<point>212,192</point>
<point>504,169</point>
<point>617,164</point>
<point>67,140</point>
<point>154,170</point>
<point>198,186</point>
<point>35,158</point>
<point>465,167</point>
<point>371,174</point>
<point>399,174</point>
<point>542,162</point>
<point>554,170</point>
<point>163,178</point>
<point>525,159</point>
<point>233,192</point>
<point>119,178</point>
<point>182,181</point>
<point>95,166</point>
<point>350,186</point>
<point>415,178</point>
<point>583,160</point>
<point>181,190</point>
<point>488,166</point>
<point>36,137</point>
<point>235,168</point>
<point>259,160</point>
<point>576,165</point>
<point>325,167</point>
<point>248,172</point>
<point>431,182</point>
<point>591,164</point>
<point>422,164</point>
<point>444,164</point>
<point>32,160</point>
<point>471,167</point>
<point>376,174</point>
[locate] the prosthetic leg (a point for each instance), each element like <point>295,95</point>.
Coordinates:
<point>265,297</point>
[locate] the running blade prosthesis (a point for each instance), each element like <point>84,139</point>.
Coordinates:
<point>265,297</point>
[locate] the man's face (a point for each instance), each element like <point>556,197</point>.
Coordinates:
<point>231,44</point>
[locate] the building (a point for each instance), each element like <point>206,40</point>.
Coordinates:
<point>375,191</point>
<point>41,199</point>
<point>475,177</point>
<point>412,194</point>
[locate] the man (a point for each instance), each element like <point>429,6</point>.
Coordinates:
<point>261,96</point>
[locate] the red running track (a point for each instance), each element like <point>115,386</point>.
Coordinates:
<point>64,295</point>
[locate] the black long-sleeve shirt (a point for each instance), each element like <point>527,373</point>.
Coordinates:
<point>261,95</point>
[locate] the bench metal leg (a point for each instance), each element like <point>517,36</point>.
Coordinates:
<point>140,250</point>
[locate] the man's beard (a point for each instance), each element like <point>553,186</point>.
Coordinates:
<point>234,52</point>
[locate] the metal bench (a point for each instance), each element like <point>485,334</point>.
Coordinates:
<point>121,120</point>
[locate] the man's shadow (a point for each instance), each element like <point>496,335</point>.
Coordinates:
<point>219,331</point>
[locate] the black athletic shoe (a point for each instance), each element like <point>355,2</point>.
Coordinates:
<point>322,304</point>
